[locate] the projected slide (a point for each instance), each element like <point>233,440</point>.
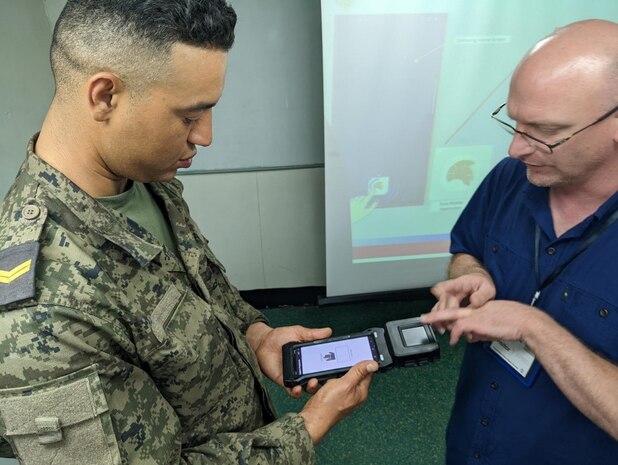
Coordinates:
<point>389,104</point>
<point>408,89</point>
<point>381,103</point>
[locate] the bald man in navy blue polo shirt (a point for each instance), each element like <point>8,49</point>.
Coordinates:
<point>534,276</point>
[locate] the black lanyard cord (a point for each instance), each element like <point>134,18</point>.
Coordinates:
<point>600,229</point>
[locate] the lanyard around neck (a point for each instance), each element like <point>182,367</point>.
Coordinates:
<point>593,236</point>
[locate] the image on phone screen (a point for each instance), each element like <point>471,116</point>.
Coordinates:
<point>334,355</point>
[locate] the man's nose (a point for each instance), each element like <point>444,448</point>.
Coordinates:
<point>520,146</point>
<point>201,132</point>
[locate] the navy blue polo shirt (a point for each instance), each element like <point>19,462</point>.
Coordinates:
<point>496,419</point>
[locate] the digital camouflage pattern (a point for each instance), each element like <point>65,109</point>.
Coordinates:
<point>121,352</point>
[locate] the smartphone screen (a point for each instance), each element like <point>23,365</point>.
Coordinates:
<point>334,355</point>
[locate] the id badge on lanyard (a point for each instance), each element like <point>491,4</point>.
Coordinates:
<point>515,355</point>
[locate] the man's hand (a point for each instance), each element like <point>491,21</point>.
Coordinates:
<point>362,206</point>
<point>337,399</point>
<point>498,319</point>
<point>267,342</point>
<point>470,290</point>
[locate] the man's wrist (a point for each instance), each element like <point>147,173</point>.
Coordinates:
<point>255,334</point>
<point>534,327</point>
<point>482,272</point>
<point>316,427</point>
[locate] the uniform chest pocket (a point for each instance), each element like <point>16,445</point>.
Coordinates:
<point>192,353</point>
<point>169,345</point>
<point>506,264</point>
<point>64,421</point>
<point>184,334</point>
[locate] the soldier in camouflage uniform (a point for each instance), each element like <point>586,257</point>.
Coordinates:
<point>121,339</point>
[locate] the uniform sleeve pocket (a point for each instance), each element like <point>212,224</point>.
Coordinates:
<point>64,421</point>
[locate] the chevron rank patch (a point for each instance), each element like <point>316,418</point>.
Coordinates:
<point>17,265</point>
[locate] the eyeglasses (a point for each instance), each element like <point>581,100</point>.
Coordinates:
<point>510,129</point>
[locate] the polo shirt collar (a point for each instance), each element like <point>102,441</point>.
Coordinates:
<point>536,200</point>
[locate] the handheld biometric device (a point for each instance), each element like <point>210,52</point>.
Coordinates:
<point>403,343</point>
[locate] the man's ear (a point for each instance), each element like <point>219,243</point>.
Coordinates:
<point>103,92</point>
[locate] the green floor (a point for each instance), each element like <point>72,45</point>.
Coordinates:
<point>404,419</point>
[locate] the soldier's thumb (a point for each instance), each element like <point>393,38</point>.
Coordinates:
<point>361,370</point>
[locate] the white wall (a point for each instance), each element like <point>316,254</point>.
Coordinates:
<point>26,85</point>
<point>53,9</point>
<point>267,227</point>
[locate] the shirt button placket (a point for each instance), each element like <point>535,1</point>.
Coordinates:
<point>485,422</point>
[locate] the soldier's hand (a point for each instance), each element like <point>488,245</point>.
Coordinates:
<point>268,342</point>
<point>337,399</point>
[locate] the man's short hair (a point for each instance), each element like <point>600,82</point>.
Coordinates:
<point>133,38</point>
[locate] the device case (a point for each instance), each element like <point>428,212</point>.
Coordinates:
<point>289,362</point>
<point>406,354</point>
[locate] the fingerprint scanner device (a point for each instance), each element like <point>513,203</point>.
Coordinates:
<point>404,343</point>
<point>412,343</point>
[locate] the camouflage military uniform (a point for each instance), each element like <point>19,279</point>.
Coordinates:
<point>112,350</point>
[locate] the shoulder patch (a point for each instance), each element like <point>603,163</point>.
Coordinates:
<point>17,265</point>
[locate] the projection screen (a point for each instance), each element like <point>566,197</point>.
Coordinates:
<point>408,89</point>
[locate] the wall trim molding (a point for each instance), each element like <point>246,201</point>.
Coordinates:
<point>316,295</point>
<point>254,169</point>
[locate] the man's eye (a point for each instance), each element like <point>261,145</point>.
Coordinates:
<point>189,121</point>
<point>548,132</point>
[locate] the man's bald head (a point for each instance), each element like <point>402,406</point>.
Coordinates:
<point>580,54</point>
<point>564,92</point>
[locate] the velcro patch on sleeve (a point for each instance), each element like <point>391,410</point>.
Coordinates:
<point>17,271</point>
